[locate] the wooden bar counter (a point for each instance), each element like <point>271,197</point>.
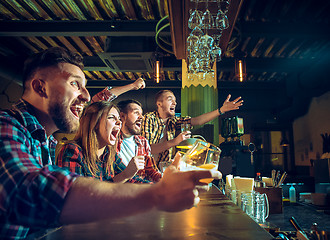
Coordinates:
<point>215,217</point>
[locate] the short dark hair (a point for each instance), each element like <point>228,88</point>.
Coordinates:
<point>123,105</point>
<point>160,93</point>
<point>50,57</point>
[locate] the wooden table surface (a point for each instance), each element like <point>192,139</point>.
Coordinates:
<point>214,218</point>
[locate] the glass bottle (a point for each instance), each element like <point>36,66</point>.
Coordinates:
<point>292,194</point>
<point>258,180</point>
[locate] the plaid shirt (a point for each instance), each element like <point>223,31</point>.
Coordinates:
<point>153,127</point>
<point>71,157</point>
<point>150,170</point>
<point>32,189</point>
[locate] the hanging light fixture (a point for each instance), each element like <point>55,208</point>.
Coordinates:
<point>158,72</point>
<point>240,66</point>
<point>284,142</point>
<point>240,69</point>
<point>164,46</point>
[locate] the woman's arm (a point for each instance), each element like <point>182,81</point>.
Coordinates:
<point>127,172</point>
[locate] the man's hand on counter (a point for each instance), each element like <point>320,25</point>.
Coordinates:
<point>178,190</point>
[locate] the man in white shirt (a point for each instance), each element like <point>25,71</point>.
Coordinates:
<point>134,150</point>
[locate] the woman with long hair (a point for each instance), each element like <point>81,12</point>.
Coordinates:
<point>93,150</point>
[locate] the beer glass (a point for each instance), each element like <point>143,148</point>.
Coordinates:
<point>201,156</point>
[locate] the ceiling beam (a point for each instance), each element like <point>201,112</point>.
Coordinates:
<point>286,30</point>
<point>78,28</point>
<point>115,83</point>
<point>147,28</point>
<point>177,84</point>
<point>267,64</point>
<point>94,63</point>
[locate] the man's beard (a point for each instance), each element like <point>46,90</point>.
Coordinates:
<point>61,118</point>
<point>133,131</point>
<point>168,112</point>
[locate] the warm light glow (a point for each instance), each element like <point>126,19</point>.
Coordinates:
<point>240,70</point>
<point>157,74</point>
<point>184,147</point>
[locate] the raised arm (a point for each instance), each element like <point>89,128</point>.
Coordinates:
<point>109,94</point>
<point>226,107</point>
<point>138,84</point>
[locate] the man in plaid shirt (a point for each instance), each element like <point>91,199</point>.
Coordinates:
<point>159,127</point>
<point>131,144</point>
<point>36,194</point>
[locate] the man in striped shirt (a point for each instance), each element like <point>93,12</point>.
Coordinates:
<point>159,127</point>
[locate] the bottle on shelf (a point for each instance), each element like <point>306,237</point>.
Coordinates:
<point>258,181</point>
<point>292,194</point>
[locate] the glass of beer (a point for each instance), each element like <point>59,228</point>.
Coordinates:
<point>201,156</point>
<point>185,127</point>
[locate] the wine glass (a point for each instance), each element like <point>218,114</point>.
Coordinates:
<point>192,45</point>
<point>207,41</point>
<point>201,156</point>
<point>195,18</point>
<point>215,55</point>
<point>225,6</point>
<point>207,19</point>
<point>193,66</point>
<point>197,32</point>
<point>221,21</point>
<point>217,37</point>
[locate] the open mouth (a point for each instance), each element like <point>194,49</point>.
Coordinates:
<point>172,109</point>
<point>138,124</point>
<point>77,110</point>
<point>114,134</point>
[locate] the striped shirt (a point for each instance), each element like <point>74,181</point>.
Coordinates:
<point>32,188</point>
<point>153,127</point>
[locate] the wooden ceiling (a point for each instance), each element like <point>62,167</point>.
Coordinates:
<point>280,37</point>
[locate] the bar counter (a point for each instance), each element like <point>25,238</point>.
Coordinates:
<point>215,217</point>
<point>306,215</point>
